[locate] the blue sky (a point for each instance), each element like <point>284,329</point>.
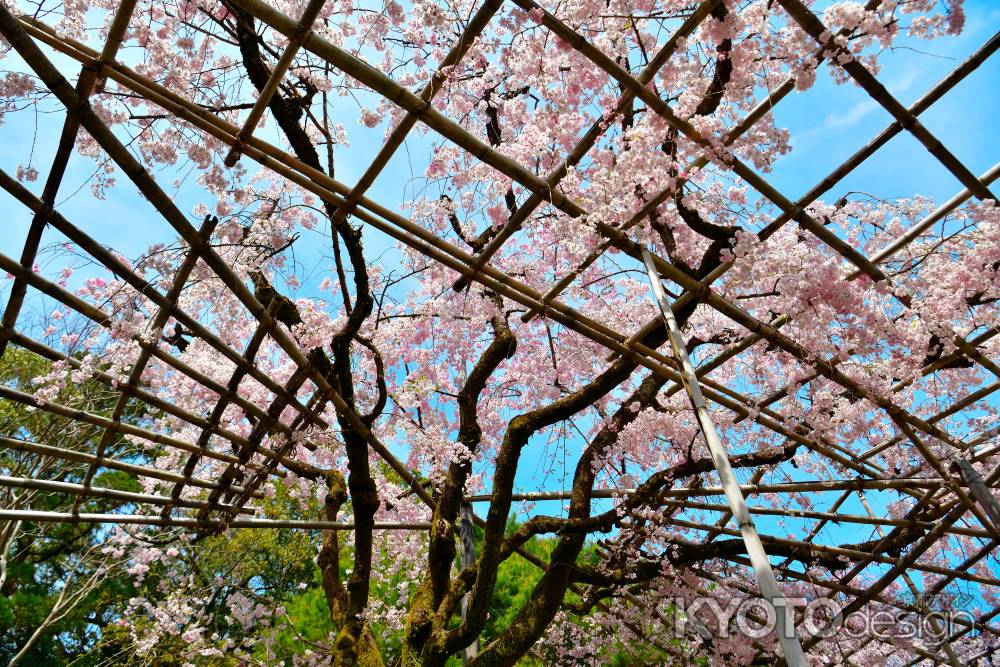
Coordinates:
<point>827,123</point>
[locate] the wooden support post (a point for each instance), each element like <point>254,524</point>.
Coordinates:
<point>467,534</point>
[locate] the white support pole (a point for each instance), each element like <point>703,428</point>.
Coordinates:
<point>784,618</point>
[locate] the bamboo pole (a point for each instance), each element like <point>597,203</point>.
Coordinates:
<point>837,587</point>
<point>221,404</point>
<point>834,516</point>
<point>101,318</point>
<point>399,133</point>
<point>143,520</point>
<point>15,444</point>
<point>937,215</point>
<point>956,407</point>
<point>908,559</point>
<point>403,98</point>
<point>81,490</point>
<point>260,476</point>
<point>67,140</point>
<point>139,367</point>
<point>764,107</point>
<point>921,605</point>
<point>813,26</point>
<point>589,140</point>
<point>781,487</point>
<point>309,14</point>
<point>784,622</point>
<point>988,511</point>
<point>861,557</point>
<point>103,422</point>
<point>118,268</point>
<point>138,394</point>
<point>970,65</point>
<point>795,212</point>
<point>257,435</point>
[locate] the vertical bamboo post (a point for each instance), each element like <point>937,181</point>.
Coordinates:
<point>468,557</point>
<point>784,623</point>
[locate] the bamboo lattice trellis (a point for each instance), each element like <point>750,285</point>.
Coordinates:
<point>971,512</point>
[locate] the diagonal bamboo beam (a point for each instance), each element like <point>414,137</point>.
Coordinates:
<point>136,393</point>
<point>956,407</point>
<point>896,483</point>
<point>794,211</point>
<point>861,557</point>
<point>144,520</point>
<point>412,103</point>
<point>261,475</point>
<point>908,560</point>
<point>936,92</point>
<point>921,605</point>
<point>723,520</point>
<point>100,317</point>
<point>834,517</point>
<point>145,354</point>
<point>305,23</point>
<point>399,133</point>
<point>214,419</point>
<point>257,436</point>
<point>15,444</point>
<point>726,158</point>
<point>887,253</point>
<point>764,107</point>
<point>990,512</point>
<point>814,27</point>
<point>589,140</point>
<point>784,623</point>
<point>80,491</point>
<point>67,140</point>
<point>146,289</point>
<point>123,428</point>
<point>942,415</point>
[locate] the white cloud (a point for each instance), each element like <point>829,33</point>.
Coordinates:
<point>851,116</point>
